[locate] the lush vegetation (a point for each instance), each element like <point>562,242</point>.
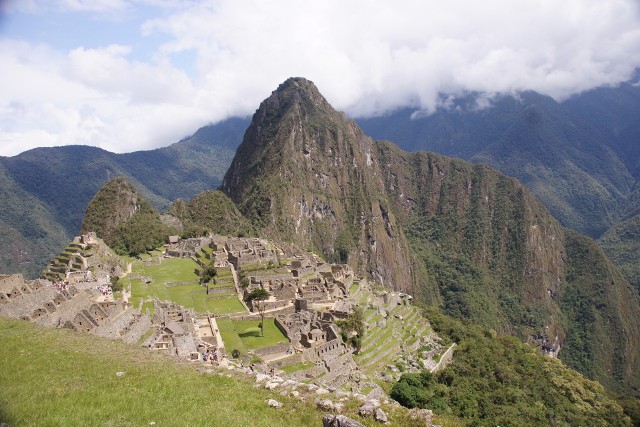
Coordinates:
<point>353,328</point>
<point>473,260</point>
<point>210,211</point>
<point>498,380</point>
<point>597,304</point>
<point>141,233</point>
<point>622,245</point>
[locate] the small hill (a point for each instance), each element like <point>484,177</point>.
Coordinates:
<point>124,219</point>
<point>210,211</point>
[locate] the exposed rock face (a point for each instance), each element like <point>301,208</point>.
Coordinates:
<point>454,234</point>
<point>306,173</point>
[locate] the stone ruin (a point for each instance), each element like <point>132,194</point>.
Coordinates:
<point>71,306</point>
<point>316,337</point>
<point>307,279</point>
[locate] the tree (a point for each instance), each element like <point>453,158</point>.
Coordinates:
<point>260,295</point>
<point>116,285</point>
<point>353,328</point>
<point>209,273</point>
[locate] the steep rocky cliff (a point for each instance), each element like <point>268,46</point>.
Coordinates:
<point>461,236</point>
<point>307,174</point>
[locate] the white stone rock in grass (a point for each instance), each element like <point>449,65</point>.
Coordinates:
<point>273,403</point>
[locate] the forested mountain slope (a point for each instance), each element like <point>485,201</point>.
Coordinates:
<point>459,235</point>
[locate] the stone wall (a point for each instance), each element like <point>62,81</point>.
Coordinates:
<point>8,281</point>
<point>445,359</point>
<point>212,290</point>
<point>173,284</point>
<point>138,329</point>
<point>279,348</point>
<point>291,360</point>
<point>320,352</point>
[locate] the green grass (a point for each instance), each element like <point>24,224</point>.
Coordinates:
<point>249,333</point>
<point>70,379</point>
<point>224,306</point>
<point>297,367</point>
<point>230,337</point>
<point>176,270</point>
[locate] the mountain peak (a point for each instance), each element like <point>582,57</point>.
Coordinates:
<point>299,86</point>
<point>307,174</point>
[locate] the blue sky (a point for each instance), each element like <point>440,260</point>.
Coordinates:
<point>127,75</point>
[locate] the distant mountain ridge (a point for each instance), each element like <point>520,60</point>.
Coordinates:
<point>578,159</point>
<point>46,190</point>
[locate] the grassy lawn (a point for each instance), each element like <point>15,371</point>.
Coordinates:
<point>176,270</point>
<point>249,333</point>
<point>224,305</point>
<point>70,379</point>
<point>230,337</point>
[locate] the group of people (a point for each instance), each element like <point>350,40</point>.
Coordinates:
<point>61,286</point>
<point>105,290</point>
<point>211,356</point>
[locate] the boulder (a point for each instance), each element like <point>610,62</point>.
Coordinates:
<point>274,403</point>
<point>369,407</point>
<point>339,421</point>
<point>379,415</point>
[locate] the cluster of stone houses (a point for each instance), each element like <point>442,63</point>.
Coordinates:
<point>306,279</point>
<point>73,307</point>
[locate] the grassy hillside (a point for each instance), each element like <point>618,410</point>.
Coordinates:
<point>69,378</point>
<point>53,377</point>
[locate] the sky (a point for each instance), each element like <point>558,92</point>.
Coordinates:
<point>128,75</point>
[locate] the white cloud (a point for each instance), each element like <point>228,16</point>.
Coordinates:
<point>91,96</point>
<point>367,57</point>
